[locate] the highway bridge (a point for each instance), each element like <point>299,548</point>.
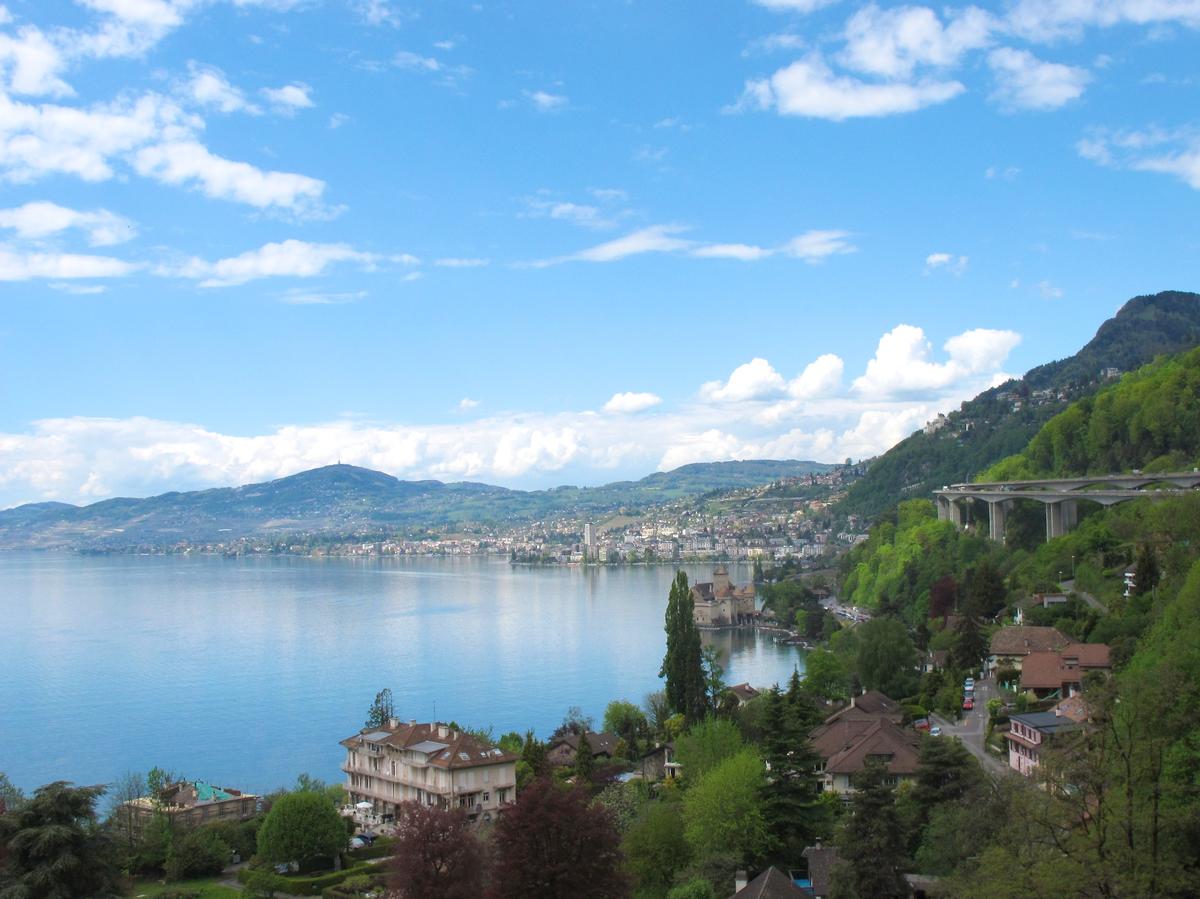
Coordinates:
<point>1060,496</point>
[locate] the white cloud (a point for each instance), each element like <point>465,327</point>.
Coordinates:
<point>1025,82</point>
<point>1049,291</point>
<point>295,297</point>
<point>902,364</point>
<point>337,120</point>
<point>460,262</point>
<point>947,261</point>
<point>290,97</point>
<point>1151,150</point>
<point>16,265</point>
<point>544,101</point>
<point>808,87</point>
<point>798,6</point>
<point>189,163</point>
<point>753,380</point>
<point>210,88</point>
<point>742,251</point>
<point>630,402</point>
<point>820,378</point>
<point>653,239</point>
<point>466,404</point>
<point>36,220</point>
<point>1043,20</point>
<point>893,42</point>
<point>30,63</point>
<point>289,258</point>
<point>1007,173</point>
<point>77,289</point>
<point>380,12</point>
<point>813,246</point>
<point>415,62</point>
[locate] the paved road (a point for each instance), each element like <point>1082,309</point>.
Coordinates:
<point>1068,586</point>
<point>973,727</point>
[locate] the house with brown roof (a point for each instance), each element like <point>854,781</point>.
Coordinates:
<point>1011,645</point>
<point>770,884</point>
<point>433,764</point>
<point>868,728</point>
<point>561,753</point>
<point>871,704</point>
<point>1049,674</point>
<point>744,693</point>
<point>190,803</point>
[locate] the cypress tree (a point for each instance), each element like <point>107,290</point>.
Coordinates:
<point>683,664</point>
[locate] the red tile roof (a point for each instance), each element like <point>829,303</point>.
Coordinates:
<point>1020,640</point>
<point>443,746</point>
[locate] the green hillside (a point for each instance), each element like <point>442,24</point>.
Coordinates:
<point>1001,421</point>
<point>1150,421</point>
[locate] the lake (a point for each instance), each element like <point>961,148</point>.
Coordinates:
<point>246,672</point>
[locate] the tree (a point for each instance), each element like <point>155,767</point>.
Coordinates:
<point>693,889</point>
<point>301,827</point>
<point>825,675</point>
<point>683,664</point>
<point>553,844</point>
<point>871,842</point>
<point>436,854</point>
<point>886,659</point>
<point>10,794</point>
<point>122,819</point>
<point>574,722</point>
<point>199,853</point>
<point>655,847</point>
<point>55,848</point>
<point>714,676</point>
<point>970,646</point>
<point>628,722</point>
<point>585,763</point>
<point>381,709</point>
<point>1145,571</point>
<point>943,597</point>
<point>706,745</point>
<point>533,753</point>
<point>335,793</point>
<point>723,812</point>
<point>986,592</point>
<point>791,790</point>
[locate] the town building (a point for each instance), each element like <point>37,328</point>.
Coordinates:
<point>433,764</point>
<point>561,752</point>
<point>744,693</point>
<point>1060,674</point>
<point>869,728</point>
<point>1010,645</point>
<point>1029,735</point>
<point>721,603</point>
<point>770,884</point>
<point>192,803</point>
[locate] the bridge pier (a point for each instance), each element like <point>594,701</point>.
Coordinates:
<point>998,518</point>
<point>1054,520</point>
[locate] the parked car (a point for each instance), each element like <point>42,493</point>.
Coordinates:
<point>968,703</point>
<point>969,683</point>
<point>935,731</point>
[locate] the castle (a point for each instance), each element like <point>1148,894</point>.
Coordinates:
<point>722,604</point>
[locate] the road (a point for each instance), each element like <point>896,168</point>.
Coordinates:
<point>972,729</point>
<point>1069,587</point>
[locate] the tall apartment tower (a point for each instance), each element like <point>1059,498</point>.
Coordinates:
<point>589,540</point>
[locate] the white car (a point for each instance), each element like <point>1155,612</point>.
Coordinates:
<point>935,731</point>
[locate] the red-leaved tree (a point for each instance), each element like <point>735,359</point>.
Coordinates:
<point>943,597</point>
<point>436,854</point>
<point>553,843</point>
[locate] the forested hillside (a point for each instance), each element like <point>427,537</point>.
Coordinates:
<point>1150,420</point>
<point>1001,421</point>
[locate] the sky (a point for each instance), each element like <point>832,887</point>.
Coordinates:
<point>542,243</point>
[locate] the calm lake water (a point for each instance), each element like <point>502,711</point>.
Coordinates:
<point>247,672</point>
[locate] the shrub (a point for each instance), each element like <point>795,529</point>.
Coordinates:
<point>303,886</point>
<point>198,853</point>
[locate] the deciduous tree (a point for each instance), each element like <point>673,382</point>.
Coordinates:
<point>301,827</point>
<point>723,813</point>
<point>552,843</point>
<point>436,854</point>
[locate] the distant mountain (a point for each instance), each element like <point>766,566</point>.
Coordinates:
<point>1001,421</point>
<point>347,501</point>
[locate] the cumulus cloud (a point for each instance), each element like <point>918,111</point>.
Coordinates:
<point>1025,82</point>
<point>892,43</point>
<point>289,258</point>
<point>208,87</point>
<point>37,220</point>
<point>809,88</point>
<point>630,402</point>
<point>797,6</point>
<point>903,363</point>
<point>1043,20</point>
<point>544,101</point>
<point>466,404</point>
<point>820,377</point>
<point>753,380</point>
<point>460,262</point>
<point>289,98</point>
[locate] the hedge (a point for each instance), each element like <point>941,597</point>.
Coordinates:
<point>381,848</point>
<point>311,886</point>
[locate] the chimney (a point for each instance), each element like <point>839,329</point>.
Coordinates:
<point>739,881</point>
<point>441,731</point>
<point>412,722</point>
<point>393,723</point>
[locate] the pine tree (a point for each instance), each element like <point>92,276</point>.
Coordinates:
<point>585,762</point>
<point>791,794</point>
<point>871,844</point>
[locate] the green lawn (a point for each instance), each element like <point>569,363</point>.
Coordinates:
<point>207,887</point>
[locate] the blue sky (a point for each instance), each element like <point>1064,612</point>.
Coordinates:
<point>534,244</point>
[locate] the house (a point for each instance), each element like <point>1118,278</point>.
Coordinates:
<point>433,764</point>
<point>770,884</point>
<point>720,603</point>
<point>1030,733</point>
<point>1039,600</point>
<point>192,803</point>
<point>869,705</point>
<point>561,753</point>
<point>847,745</point>
<point>1049,674</point>
<point>659,763</point>
<point>821,861</point>
<point>1010,645</point>
<point>935,660</point>
<point>744,693</point>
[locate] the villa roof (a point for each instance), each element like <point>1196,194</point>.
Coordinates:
<point>871,704</point>
<point>444,746</point>
<point>1050,670</point>
<point>1046,722</point>
<point>600,744</point>
<point>821,860</point>
<point>770,884</point>
<point>1019,640</point>
<point>1087,655</point>
<point>900,747</point>
<point>744,692</point>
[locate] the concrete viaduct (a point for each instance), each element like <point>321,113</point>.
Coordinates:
<point>1060,496</point>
